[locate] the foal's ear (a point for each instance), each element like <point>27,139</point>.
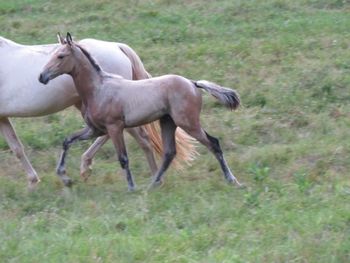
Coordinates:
<point>60,39</point>
<point>69,39</point>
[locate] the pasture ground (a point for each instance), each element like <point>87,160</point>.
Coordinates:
<point>289,143</point>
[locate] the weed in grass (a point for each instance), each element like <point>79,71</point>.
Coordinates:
<point>303,181</point>
<point>260,173</point>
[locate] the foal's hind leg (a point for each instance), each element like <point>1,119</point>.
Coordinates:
<point>83,134</point>
<point>213,145</point>
<point>168,128</point>
<point>115,132</point>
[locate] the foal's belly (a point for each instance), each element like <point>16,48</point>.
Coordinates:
<point>143,114</point>
<point>140,104</point>
<point>137,118</point>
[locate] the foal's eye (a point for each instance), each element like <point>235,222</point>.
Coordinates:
<point>60,56</point>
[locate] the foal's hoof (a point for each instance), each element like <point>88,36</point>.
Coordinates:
<point>67,181</point>
<point>131,188</point>
<point>235,182</point>
<point>155,184</point>
<point>60,170</point>
<point>240,186</point>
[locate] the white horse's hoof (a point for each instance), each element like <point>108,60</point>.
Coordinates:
<point>85,175</point>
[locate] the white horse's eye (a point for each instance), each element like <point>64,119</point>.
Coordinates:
<point>60,56</point>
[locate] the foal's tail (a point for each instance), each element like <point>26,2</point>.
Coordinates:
<point>185,145</point>
<point>226,96</point>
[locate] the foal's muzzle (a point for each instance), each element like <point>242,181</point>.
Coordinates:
<point>44,78</point>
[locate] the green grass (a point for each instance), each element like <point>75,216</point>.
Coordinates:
<point>289,143</point>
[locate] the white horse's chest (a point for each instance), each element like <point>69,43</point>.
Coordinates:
<point>21,94</point>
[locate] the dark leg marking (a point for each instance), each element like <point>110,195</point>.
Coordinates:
<point>83,134</point>
<point>168,129</point>
<point>116,134</point>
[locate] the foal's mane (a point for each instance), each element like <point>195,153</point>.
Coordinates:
<point>90,58</point>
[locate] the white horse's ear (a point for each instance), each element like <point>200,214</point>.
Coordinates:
<point>60,39</point>
<point>69,39</point>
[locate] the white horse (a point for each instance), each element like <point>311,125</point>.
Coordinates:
<point>21,95</point>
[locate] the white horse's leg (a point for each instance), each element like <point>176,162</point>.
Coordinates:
<point>17,148</point>
<point>86,158</point>
<point>142,139</point>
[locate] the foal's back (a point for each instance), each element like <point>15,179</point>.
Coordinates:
<point>144,101</point>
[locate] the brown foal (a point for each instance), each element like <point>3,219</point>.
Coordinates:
<point>112,103</point>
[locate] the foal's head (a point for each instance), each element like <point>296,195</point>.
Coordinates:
<point>62,61</point>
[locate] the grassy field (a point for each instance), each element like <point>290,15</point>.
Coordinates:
<point>289,143</point>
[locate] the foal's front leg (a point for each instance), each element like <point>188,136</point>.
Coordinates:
<point>84,134</point>
<point>139,134</point>
<point>115,132</point>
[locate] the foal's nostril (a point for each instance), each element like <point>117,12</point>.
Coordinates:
<point>42,79</point>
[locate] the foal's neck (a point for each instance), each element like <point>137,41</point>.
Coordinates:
<point>86,78</point>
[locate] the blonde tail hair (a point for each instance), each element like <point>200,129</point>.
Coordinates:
<point>185,144</point>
